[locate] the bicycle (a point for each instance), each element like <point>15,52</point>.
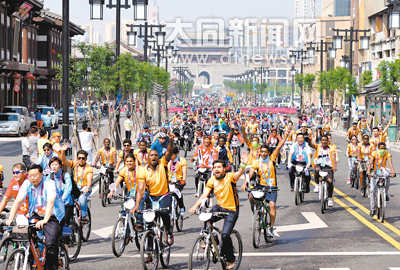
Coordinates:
<point>366,181</point>
<point>323,189</point>
<point>29,255</point>
<point>285,153</point>
<point>73,239</point>
<point>176,218</point>
<point>154,243</point>
<point>186,144</point>
<point>380,198</point>
<point>261,216</point>
<point>85,226</point>
<point>103,188</point>
<point>202,181</point>
<point>206,246</point>
<point>236,157</point>
<point>299,184</point>
<point>124,229</point>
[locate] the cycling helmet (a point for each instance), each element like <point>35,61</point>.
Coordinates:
<point>274,129</point>
<point>184,118</point>
<point>304,125</point>
<point>207,118</point>
<point>319,127</point>
<point>207,136</point>
<point>215,121</point>
<point>146,126</point>
<point>198,128</point>
<point>163,135</point>
<point>222,132</point>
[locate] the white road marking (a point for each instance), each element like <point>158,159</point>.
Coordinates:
<point>340,151</point>
<point>104,232</point>
<point>334,269</point>
<point>394,268</point>
<point>273,254</point>
<point>314,222</point>
<point>94,190</point>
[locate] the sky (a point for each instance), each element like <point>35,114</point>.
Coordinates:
<point>187,10</point>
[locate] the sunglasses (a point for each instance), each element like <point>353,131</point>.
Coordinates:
<point>126,145</point>
<point>81,158</point>
<point>17,172</point>
<point>46,150</point>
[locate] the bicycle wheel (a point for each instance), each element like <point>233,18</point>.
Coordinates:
<point>16,260</point>
<point>199,254</point>
<point>267,225</point>
<point>118,237</point>
<point>256,229</point>
<point>138,239</point>
<point>303,188</point>
<point>237,249</point>
<point>322,194</point>
<point>365,185</point>
<point>297,191</point>
<point>353,177</point>
<point>74,241</point>
<point>5,244</point>
<point>63,260</point>
<point>86,228</point>
<point>357,178</point>
<point>382,208</point>
<point>186,148</point>
<point>104,193</point>
<point>179,219</point>
<point>149,251</point>
<point>165,252</point>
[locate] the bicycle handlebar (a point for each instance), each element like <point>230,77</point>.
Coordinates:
<point>148,210</point>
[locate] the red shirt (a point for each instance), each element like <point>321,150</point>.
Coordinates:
<point>12,190</point>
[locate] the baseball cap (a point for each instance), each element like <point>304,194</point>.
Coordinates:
<point>304,124</point>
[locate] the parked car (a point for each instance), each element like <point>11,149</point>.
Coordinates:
<point>53,111</point>
<point>71,116</point>
<point>23,111</point>
<point>84,117</point>
<point>11,124</point>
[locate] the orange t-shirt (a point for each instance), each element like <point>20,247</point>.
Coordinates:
<point>12,190</point>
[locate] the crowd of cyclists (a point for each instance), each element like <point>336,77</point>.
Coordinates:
<point>153,175</point>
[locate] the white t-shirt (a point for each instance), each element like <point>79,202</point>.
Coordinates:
<point>86,140</point>
<point>25,146</point>
<point>40,204</point>
<point>305,149</point>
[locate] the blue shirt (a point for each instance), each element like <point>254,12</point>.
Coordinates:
<point>161,149</point>
<point>47,121</point>
<point>64,187</point>
<point>225,127</point>
<point>38,116</point>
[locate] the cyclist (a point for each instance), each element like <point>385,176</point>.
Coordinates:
<point>252,126</point>
<point>265,125</point>
<point>146,135</point>
<point>198,135</point>
<point>235,140</point>
<point>376,138</point>
<point>225,124</point>
<point>224,153</point>
<point>307,132</point>
<point>383,132</point>
<point>108,157</point>
<point>363,126</point>
<point>20,175</point>
<point>177,173</point>
<point>128,174</point>
<point>351,153</point>
<point>127,143</point>
<point>253,145</point>
<point>273,140</point>
<point>215,126</point>
<point>45,158</point>
<point>326,127</point>
<point>83,176</point>
<point>365,149</point>
<point>64,186</point>
<point>49,210</point>
<point>300,154</point>
<point>55,141</point>
<point>205,154</point>
<point>206,126</point>
<point>167,125</point>
<point>377,161</point>
<point>154,178</point>
<point>141,154</point>
<point>160,144</point>
<point>266,177</point>
<point>353,131</point>
<point>223,185</point>
<point>187,129</point>
<point>324,158</point>
<point>318,134</point>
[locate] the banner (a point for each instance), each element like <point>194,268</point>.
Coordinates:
<point>262,110</point>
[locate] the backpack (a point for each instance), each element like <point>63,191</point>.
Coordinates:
<point>75,192</point>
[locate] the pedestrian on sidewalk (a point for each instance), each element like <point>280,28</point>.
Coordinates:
<point>33,144</point>
<point>86,137</point>
<point>26,151</point>
<point>48,123</point>
<point>38,117</point>
<point>128,126</point>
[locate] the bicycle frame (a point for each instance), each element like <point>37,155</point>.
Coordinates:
<point>381,189</point>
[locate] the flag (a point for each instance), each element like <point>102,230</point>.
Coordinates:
<point>207,98</point>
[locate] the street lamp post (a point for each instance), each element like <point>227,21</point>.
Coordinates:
<point>351,35</point>
<point>322,48</point>
<point>293,73</point>
<point>65,72</point>
<point>301,55</point>
<point>261,71</point>
<point>181,72</point>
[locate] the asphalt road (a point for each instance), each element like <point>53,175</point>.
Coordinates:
<point>345,237</point>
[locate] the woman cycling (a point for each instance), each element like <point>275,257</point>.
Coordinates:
<point>351,153</point>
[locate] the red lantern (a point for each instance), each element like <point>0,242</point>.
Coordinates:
<point>29,77</point>
<point>16,76</point>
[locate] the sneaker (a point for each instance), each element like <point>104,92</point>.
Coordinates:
<point>148,260</point>
<point>278,167</point>
<point>372,213</point>
<point>291,190</point>
<point>196,195</point>
<point>330,202</point>
<point>139,227</point>
<point>387,198</point>
<point>170,239</point>
<point>183,211</point>
<point>349,181</point>
<point>316,189</point>
<point>85,219</point>
<point>270,232</point>
<point>230,265</point>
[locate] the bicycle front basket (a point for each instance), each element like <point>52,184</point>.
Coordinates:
<point>20,233</point>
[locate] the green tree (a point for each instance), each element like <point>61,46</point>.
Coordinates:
<point>389,76</point>
<point>366,78</point>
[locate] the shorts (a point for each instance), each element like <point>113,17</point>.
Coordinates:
<point>330,172</point>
